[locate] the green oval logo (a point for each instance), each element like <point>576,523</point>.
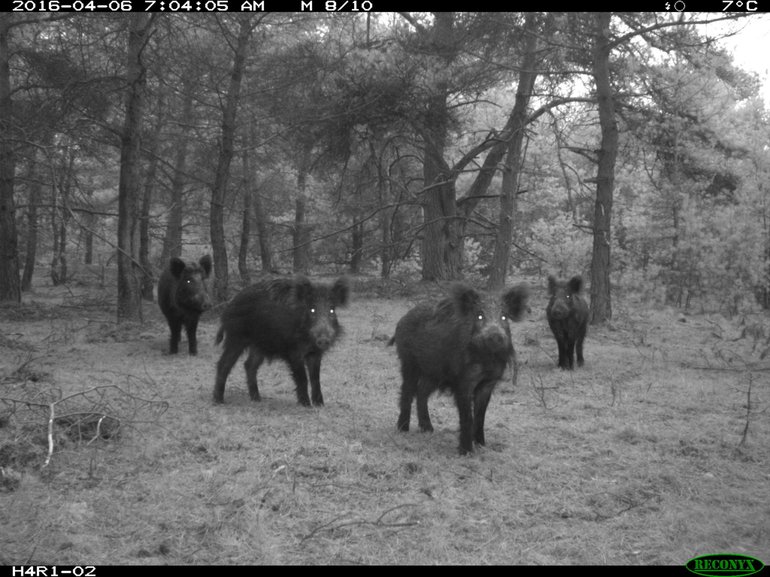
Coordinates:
<point>725,565</point>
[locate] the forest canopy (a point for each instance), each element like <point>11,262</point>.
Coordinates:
<point>626,147</point>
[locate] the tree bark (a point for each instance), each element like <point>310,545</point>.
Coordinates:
<point>31,252</point>
<point>385,216</point>
<point>260,219</point>
<point>514,158</point>
<point>172,241</point>
<point>442,245</point>
<point>10,285</point>
<point>357,241</point>
<point>263,233</point>
<point>59,226</point>
<point>32,227</point>
<point>243,249</point>
<point>763,290</point>
<point>148,278</point>
<point>59,260</point>
<point>219,193</point>
<point>129,274</point>
<point>385,219</point>
<point>601,304</point>
<point>301,248</point>
<point>89,221</point>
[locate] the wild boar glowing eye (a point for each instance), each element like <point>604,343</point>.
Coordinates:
<point>312,310</point>
<point>331,311</point>
<point>503,317</point>
<point>481,317</point>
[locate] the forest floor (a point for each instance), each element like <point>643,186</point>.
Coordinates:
<point>657,451</point>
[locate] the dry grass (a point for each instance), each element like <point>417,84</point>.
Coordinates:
<point>635,459</point>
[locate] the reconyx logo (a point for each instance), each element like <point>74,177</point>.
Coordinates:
<point>725,565</point>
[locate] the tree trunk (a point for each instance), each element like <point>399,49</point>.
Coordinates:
<point>129,274</point>
<point>514,158</point>
<point>357,240</point>
<point>386,241</point>
<point>445,217</point>
<point>88,222</point>
<point>218,194</point>
<point>601,306</point>
<point>59,259</point>
<point>31,252</point>
<point>243,249</point>
<point>32,227</point>
<point>10,286</point>
<point>301,248</point>
<point>763,290</point>
<point>172,241</point>
<point>361,184</point>
<point>260,219</point>
<point>442,245</point>
<point>263,232</point>
<point>148,278</point>
<point>385,218</point>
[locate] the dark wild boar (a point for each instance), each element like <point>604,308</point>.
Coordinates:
<point>567,314</point>
<point>182,297</point>
<point>290,319</point>
<point>462,346</point>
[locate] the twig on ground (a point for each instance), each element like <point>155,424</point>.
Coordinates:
<point>378,522</point>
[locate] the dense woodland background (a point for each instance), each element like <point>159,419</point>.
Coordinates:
<point>396,148</point>
<point>624,146</point>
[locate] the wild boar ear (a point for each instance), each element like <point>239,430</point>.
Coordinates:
<point>551,284</point>
<point>205,263</point>
<point>341,291</point>
<point>177,266</point>
<point>465,298</point>
<point>575,283</point>
<point>515,301</point>
<point>303,289</point>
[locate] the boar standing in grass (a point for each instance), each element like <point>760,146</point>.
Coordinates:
<point>183,296</point>
<point>567,314</point>
<point>290,319</point>
<point>461,345</point>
